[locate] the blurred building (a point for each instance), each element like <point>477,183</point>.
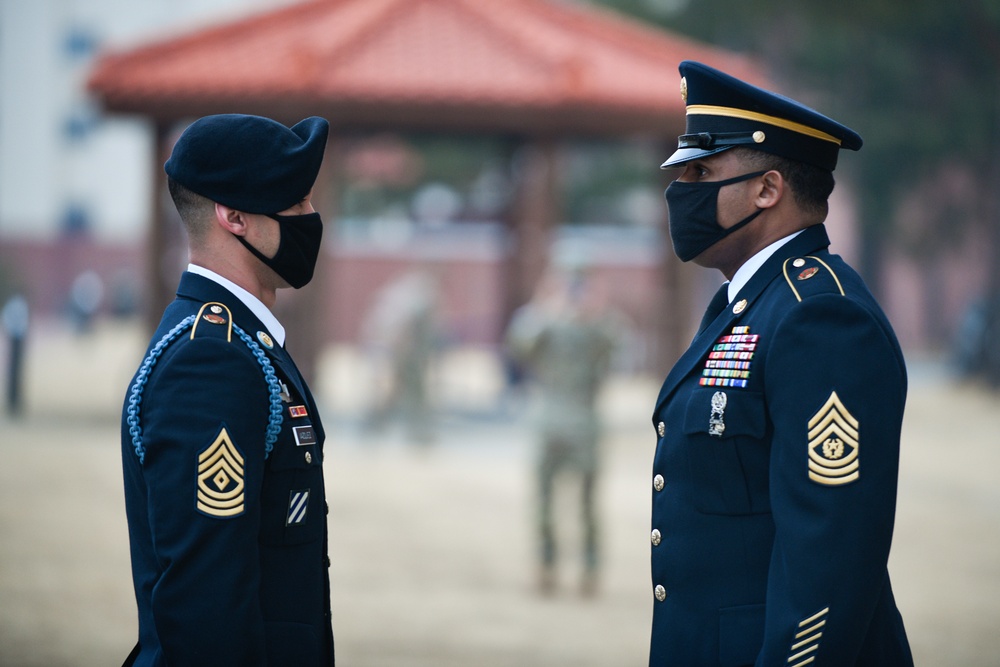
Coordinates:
<point>552,92</point>
<point>66,168</point>
<point>75,184</point>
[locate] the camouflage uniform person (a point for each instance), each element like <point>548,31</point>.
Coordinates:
<point>564,341</point>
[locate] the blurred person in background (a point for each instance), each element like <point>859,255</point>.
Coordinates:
<point>85,297</point>
<point>15,319</point>
<point>402,329</point>
<point>222,445</point>
<point>563,340</point>
<point>775,472</point>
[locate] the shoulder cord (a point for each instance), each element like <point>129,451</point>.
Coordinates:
<point>135,392</point>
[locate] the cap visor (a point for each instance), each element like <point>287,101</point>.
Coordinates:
<point>682,155</point>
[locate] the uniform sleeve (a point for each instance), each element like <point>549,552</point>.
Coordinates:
<point>835,391</point>
<point>204,422</point>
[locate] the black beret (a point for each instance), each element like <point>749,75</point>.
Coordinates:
<point>723,112</point>
<point>249,163</point>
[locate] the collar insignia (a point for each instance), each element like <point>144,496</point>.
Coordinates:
<point>265,340</point>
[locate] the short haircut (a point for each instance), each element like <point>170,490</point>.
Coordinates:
<point>195,211</point>
<point>811,186</point>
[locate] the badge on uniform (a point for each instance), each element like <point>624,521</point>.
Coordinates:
<point>717,423</point>
<point>298,411</point>
<point>265,340</point>
<point>298,503</point>
<point>728,364</point>
<point>304,435</point>
<point>833,444</point>
<point>220,478</point>
<point>214,315</point>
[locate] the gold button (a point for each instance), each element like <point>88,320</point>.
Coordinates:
<point>309,457</point>
<point>661,428</point>
<point>660,592</point>
<point>658,482</point>
<point>758,137</point>
<point>799,263</point>
<point>654,537</point>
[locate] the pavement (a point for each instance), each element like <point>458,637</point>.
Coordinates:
<point>432,548</point>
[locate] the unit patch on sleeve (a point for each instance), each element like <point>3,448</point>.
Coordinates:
<point>298,503</point>
<point>728,364</point>
<point>220,478</point>
<point>833,444</point>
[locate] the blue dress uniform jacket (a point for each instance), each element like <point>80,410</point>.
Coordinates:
<point>222,449</point>
<point>774,479</point>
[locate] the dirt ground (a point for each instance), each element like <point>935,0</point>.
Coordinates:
<point>432,546</point>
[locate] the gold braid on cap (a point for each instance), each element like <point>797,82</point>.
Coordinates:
<point>731,112</point>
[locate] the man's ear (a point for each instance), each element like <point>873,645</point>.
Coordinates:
<point>772,189</point>
<point>231,220</point>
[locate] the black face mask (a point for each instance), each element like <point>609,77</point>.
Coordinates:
<point>693,207</point>
<point>298,248</point>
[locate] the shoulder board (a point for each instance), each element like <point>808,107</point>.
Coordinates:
<point>213,320</point>
<point>809,276</point>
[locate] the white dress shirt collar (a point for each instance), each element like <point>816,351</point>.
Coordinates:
<point>255,305</point>
<point>750,267</point>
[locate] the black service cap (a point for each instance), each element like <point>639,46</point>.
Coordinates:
<point>723,112</point>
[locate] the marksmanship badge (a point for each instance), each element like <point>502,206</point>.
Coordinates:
<point>716,422</point>
<point>833,444</point>
<point>220,479</point>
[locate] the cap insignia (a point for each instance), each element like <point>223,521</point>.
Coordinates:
<point>684,89</point>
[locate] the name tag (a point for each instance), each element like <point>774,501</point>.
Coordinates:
<point>304,435</point>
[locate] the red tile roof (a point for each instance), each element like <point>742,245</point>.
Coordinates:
<point>511,66</point>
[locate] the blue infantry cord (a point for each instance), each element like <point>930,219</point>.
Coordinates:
<point>135,392</point>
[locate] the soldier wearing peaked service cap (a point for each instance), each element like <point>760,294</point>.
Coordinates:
<point>222,445</point>
<point>778,430</point>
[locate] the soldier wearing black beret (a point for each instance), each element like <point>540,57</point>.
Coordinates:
<point>775,472</point>
<point>222,445</point>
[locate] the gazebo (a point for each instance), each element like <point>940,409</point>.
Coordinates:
<point>536,71</point>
